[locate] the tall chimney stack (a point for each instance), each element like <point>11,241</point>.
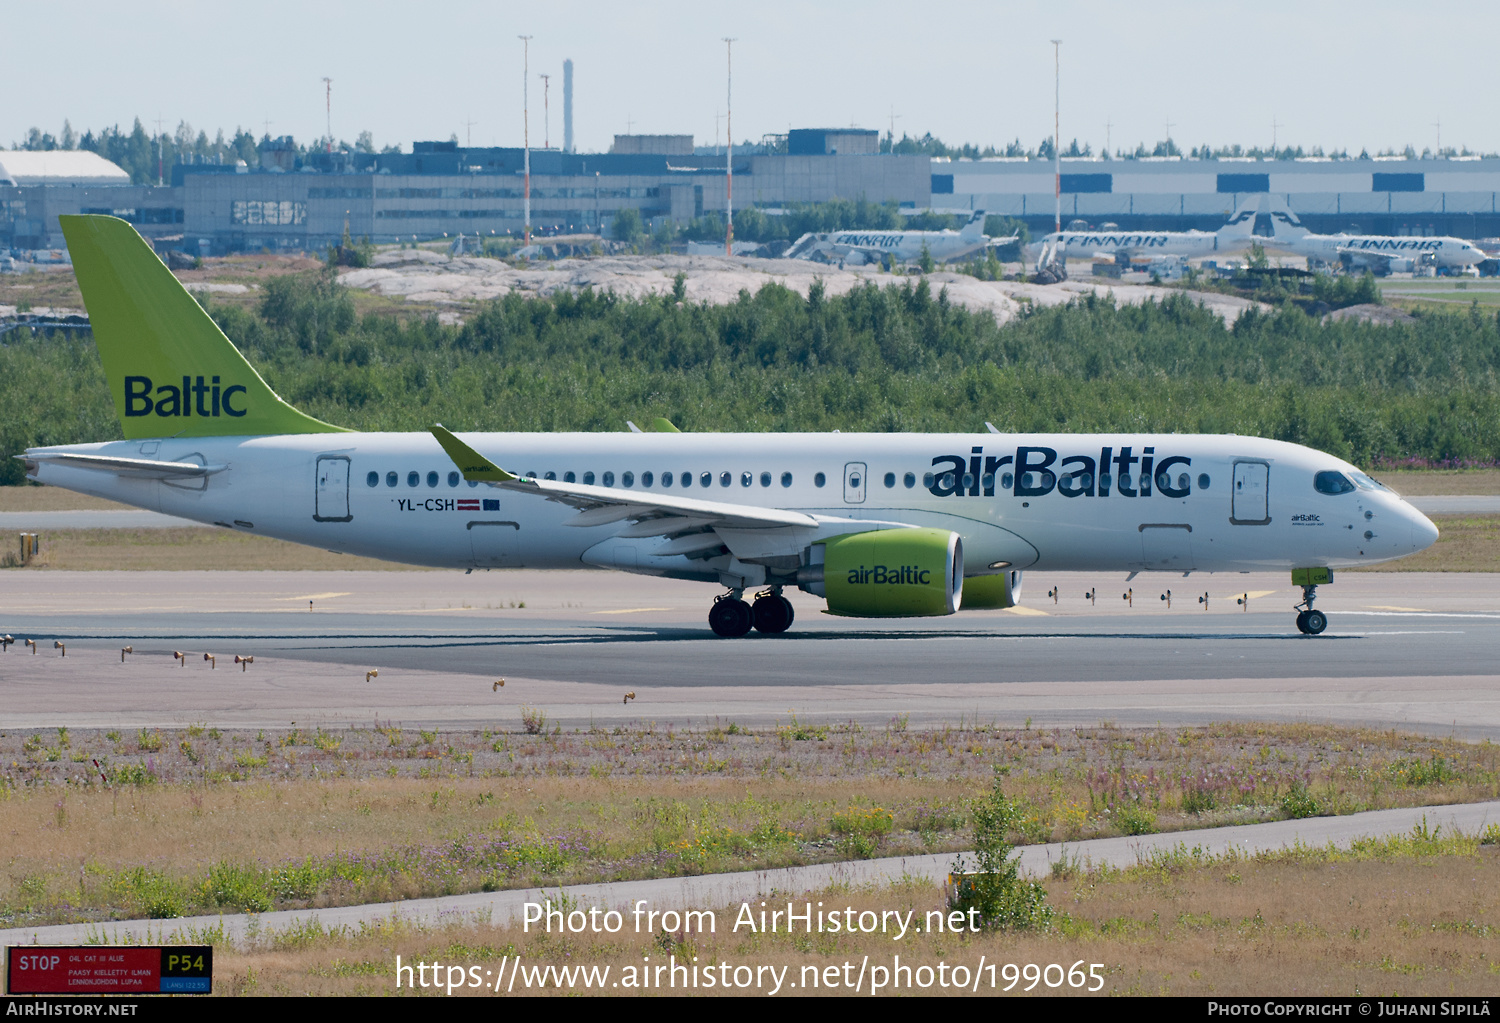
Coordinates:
<point>567,106</point>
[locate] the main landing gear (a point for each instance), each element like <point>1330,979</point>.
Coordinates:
<point>731,617</point>
<point>1310,622</point>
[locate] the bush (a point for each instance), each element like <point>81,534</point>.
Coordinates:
<point>1001,898</point>
<point>1301,803</point>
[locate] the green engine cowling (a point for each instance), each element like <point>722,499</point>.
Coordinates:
<point>892,573</point>
<point>993,592</point>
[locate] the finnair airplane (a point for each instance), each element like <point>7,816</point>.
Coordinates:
<point>880,525</point>
<point>1236,234</point>
<point>859,247</point>
<point>1378,253</point>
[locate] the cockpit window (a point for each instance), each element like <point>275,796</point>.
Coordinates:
<point>1368,482</point>
<point>1332,483</point>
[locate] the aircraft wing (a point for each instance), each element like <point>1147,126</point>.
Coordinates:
<point>692,526</point>
<point>139,468</point>
<point>1366,257</point>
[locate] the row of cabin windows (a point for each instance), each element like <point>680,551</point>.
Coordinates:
<point>627,479</point>
<point>706,479</point>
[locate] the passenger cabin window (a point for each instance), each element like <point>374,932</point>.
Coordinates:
<point>569,477</point>
<point>927,480</point>
<point>890,480</point>
<point>786,479</point>
<point>1332,483</point>
<point>910,480</point>
<point>627,479</point>
<point>646,479</point>
<point>588,479</point>
<point>746,479</point>
<point>609,479</point>
<point>706,479</point>
<point>373,479</point>
<point>390,479</point>
<point>413,478</point>
<point>432,479</point>
<point>453,479</point>
<point>550,475</point>
<point>819,479</point>
<point>724,479</point>
<point>1203,481</point>
<point>666,479</point>
<point>765,479</point>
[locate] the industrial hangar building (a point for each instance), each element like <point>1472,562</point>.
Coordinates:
<point>290,202</point>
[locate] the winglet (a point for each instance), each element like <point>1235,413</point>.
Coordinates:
<point>663,425</point>
<point>471,463</point>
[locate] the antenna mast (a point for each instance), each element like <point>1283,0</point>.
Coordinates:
<point>328,111</point>
<point>1056,130</point>
<point>526,128</point>
<point>729,151</point>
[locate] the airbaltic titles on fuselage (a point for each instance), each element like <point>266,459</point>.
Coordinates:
<point>1037,471</point>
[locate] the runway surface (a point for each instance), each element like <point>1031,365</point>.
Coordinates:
<point>714,891</point>
<point>1448,504</point>
<point>1411,650</point>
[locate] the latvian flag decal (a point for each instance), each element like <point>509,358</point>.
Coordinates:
<point>468,505</point>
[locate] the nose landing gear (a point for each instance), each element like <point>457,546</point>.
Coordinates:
<point>1310,622</point>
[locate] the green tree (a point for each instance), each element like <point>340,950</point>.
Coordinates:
<point>1001,899</point>
<point>627,226</point>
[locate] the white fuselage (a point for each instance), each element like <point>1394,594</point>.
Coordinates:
<point>1088,244</point>
<point>901,246</point>
<point>1207,503</point>
<point>1331,248</point>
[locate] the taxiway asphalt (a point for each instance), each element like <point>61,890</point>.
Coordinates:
<point>1406,650</point>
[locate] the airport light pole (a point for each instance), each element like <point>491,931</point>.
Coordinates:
<point>526,132</point>
<point>1056,130</point>
<point>729,152</point>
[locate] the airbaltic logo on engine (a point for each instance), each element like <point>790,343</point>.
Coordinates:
<point>880,575</point>
<point>208,399</point>
<point>1037,471</point>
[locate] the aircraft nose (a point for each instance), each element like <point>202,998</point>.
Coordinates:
<point>1423,532</point>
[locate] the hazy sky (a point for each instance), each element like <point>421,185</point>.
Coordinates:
<point>1368,74</point>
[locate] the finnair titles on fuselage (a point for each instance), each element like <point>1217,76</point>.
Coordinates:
<point>1234,236</point>
<point>860,247</point>
<point>878,525</point>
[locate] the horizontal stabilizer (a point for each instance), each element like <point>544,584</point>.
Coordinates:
<point>139,468</point>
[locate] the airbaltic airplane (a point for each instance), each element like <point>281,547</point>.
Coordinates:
<point>1377,252</point>
<point>880,525</point>
<point>859,247</point>
<point>1236,234</point>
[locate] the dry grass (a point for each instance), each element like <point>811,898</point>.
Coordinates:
<point>1414,915</point>
<point>1466,543</point>
<point>36,499</point>
<point>1428,482</point>
<point>197,820</point>
<point>192,549</point>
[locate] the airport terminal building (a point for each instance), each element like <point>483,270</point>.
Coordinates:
<point>290,202</point>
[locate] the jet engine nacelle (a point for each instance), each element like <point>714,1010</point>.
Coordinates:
<point>888,573</point>
<point>993,592</point>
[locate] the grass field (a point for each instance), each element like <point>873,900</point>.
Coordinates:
<point>1466,543</point>
<point>198,820</point>
<point>1416,914</point>
<point>190,549</point>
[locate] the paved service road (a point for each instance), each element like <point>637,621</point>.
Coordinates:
<point>1414,650</point>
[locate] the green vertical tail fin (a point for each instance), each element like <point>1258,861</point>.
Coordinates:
<point>171,370</point>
